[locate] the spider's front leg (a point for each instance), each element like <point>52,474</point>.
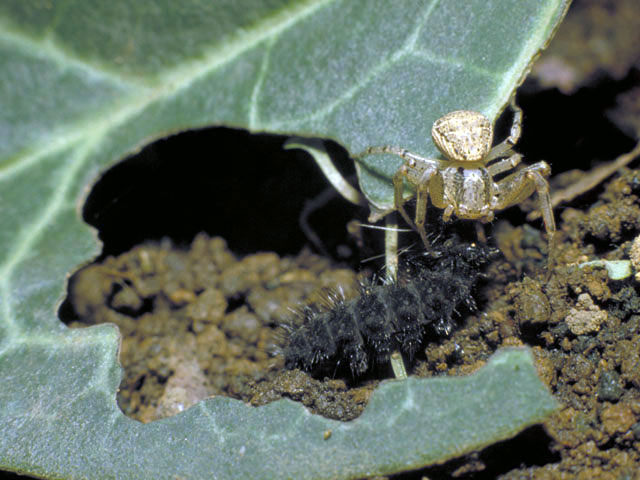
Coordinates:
<point>505,146</point>
<point>418,171</point>
<point>422,196</point>
<point>398,190</point>
<point>518,186</point>
<point>389,150</point>
<point>504,165</point>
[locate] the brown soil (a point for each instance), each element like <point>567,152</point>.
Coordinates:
<point>202,322</point>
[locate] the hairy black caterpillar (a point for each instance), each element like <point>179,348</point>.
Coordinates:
<point>390,317</point>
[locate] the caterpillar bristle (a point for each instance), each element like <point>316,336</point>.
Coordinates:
<point>359,334</point>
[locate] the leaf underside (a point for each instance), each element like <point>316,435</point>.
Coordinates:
<point>86,83</point>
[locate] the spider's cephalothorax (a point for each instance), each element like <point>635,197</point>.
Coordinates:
<point>463,182</point>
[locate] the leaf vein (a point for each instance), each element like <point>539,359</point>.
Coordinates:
<point>254,115</point>
<point>48,49</point>
<point>31,232</point>
<point>413,38</point>
<point>183,77</point>
<point>430,57</point>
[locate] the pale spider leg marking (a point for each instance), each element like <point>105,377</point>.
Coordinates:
<point>422,198</point>
<point>398,190</point>
<point>400,152</point>
<point>504,165</point>
<point>412,159</point>
<point>518,186</point>
<point>503,148</point>
<point>542,187</point>
<point>515,188</point>
<point>448,212</point>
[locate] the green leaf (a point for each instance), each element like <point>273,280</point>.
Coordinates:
<point>86,83</point>
<point>61,421</point>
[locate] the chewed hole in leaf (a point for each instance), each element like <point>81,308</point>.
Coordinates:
<point>244,187</point>
<point>199,310</point>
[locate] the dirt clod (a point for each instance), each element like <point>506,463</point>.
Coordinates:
<point>586,317</point>
<point>609,387</point>
<point>532,305</point>
<point>617,418</point>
